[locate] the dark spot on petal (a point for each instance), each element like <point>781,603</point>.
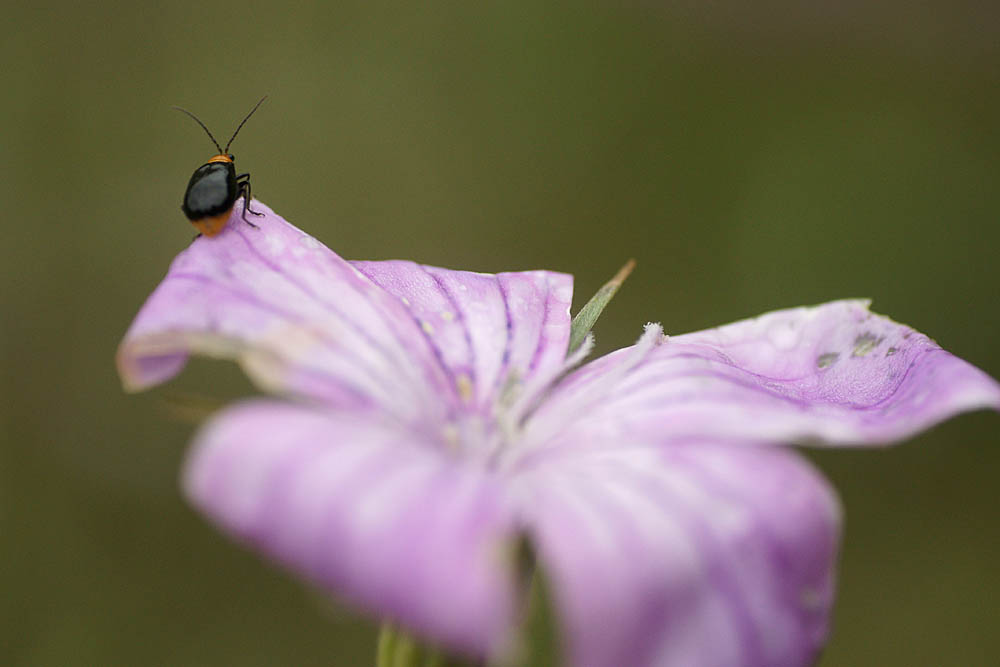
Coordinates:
<point>864,344</point>
<point>826,360</point>
<point>891,351</point>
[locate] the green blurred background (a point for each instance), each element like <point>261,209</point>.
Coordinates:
<point>749,158</point>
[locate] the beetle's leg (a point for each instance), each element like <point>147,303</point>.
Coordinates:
<point>245,192</point>
<point>243,181</point>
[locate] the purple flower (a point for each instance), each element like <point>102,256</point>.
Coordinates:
<point>431,418</point>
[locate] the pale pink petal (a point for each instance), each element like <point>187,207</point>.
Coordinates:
<point>834,373</point>
<point>366,510</point>
<point>302,320</point>
<point>489,330</point>
<point>697,555</point>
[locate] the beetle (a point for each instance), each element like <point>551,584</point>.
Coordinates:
<point>215,186</point>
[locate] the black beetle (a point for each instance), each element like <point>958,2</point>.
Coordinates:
<point>214,186</point>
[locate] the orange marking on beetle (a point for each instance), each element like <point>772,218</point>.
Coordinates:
<point>220,158</point>
<point>213,225</point>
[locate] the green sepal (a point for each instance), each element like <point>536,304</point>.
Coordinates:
<point>584,320</point>
<point>537,643</point>
<point>191,408</point>
<point>398,649</point>
<point>540,633</point>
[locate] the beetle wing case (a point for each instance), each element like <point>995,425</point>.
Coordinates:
<point>211,192</point>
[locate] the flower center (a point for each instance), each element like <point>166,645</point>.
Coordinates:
<point>493,435</point>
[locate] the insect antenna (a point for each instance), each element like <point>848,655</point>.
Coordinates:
<point>202,127</point>
<point>241,124</point>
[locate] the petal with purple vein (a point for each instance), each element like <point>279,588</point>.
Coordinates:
<point>413,341</point>
<point>695,554</point>
<point>488,329</point>
<point>366,510</point>
<point>834,373</point>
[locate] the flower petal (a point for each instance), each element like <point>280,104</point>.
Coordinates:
<point>301,319</point>
<point>836,373</point>
<point>365,510</point>
<point>487,329</point>
<point>694,554</point>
